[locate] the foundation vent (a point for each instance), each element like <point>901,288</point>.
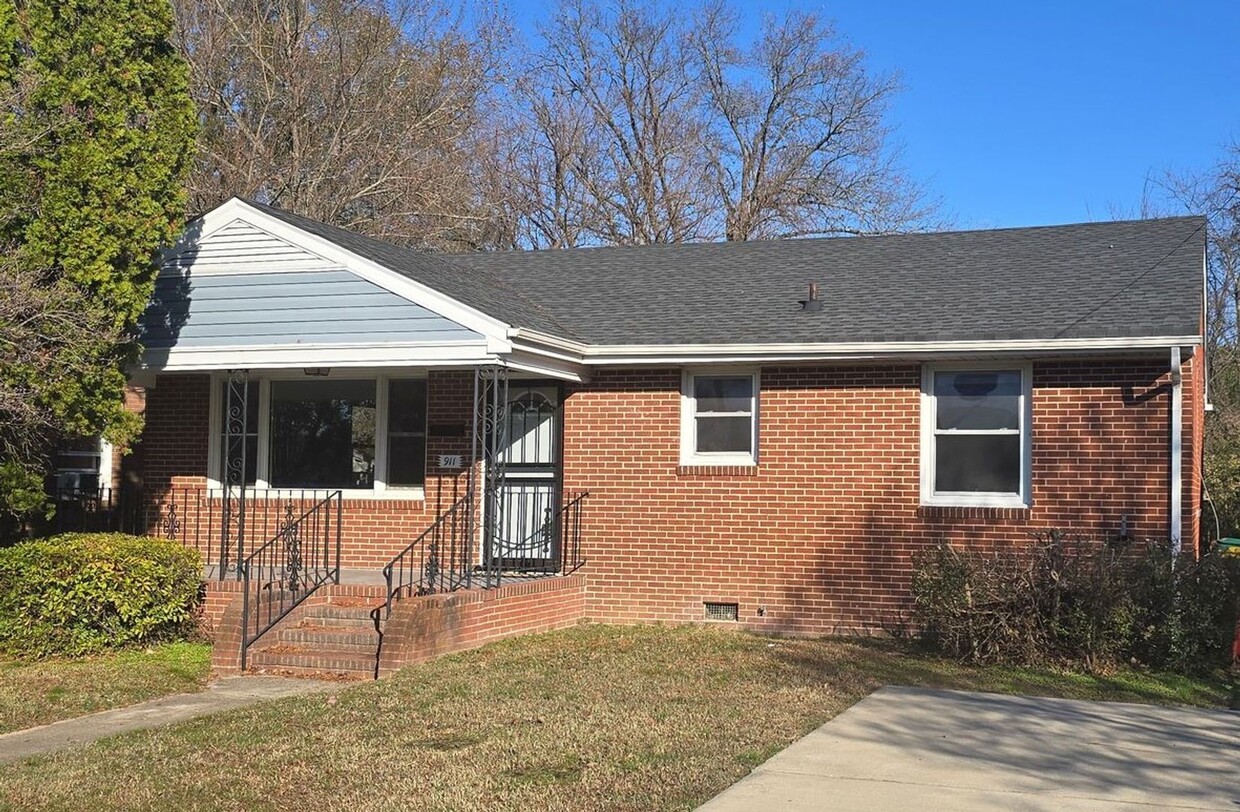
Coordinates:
<point>722,611</point>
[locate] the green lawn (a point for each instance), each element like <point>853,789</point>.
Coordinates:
<point>595,717</point>
<point>35,693</point>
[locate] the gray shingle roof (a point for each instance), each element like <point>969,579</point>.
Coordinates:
<point>477,287</point>
<point>1110,279</point>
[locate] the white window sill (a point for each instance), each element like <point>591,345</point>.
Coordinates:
<point>745,461</point>
<point>975,500</point>
<point>347,494</point>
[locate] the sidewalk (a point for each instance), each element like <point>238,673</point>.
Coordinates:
<point>221,695</point>
<point>917,750</point>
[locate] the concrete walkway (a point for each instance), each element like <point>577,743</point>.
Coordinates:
<point>221,695</point>
<point>917,749</point>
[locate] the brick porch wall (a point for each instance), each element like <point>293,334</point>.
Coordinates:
<point>819,537</point>
<point>821,534</point>
<point>423,628</point>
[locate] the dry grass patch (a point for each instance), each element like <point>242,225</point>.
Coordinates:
<point>595,717</point>
<point>43,691</point>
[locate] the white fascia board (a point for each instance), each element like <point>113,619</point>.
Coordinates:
<point>317,355</point>
<point>416,292</point>
<point>612,355</point>
<point>545,367</point>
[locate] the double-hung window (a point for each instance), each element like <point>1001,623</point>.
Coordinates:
<point>719,418</point>
<point>975,436</point>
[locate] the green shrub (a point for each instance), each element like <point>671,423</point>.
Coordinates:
<point>1078,602</point>
<point>1187,613</point>
<point>82,593</point>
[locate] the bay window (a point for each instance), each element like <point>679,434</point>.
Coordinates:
<point>353,434</point>
<point>976,436</point>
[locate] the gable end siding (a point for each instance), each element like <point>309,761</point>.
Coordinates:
<point>286,309</point>
<point>240,247</point>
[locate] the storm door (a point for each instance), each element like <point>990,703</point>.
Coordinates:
<point>529,491</point>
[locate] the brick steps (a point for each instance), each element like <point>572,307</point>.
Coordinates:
<point>312,662</point>
<point>335,638</point>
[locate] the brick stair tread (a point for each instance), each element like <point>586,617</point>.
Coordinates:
<point>311,673</point>
<point>330,610</point>
<point>320,621</point>
<point>291,657</point>
<point>331,636</point>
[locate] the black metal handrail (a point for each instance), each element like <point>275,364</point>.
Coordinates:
<point>553,548</point>
<point>303,556</point>
<point>445,557</point>
<point>191,515</point>
<point>436,561</point>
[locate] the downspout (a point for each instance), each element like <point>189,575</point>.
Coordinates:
<point>1177,456</point>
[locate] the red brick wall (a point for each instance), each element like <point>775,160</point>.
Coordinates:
<point>819,537</point>
<point>216,598</point>
<point>431,626</point>
<point>173,445</point>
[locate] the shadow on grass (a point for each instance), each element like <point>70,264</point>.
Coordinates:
<point>909,664</point>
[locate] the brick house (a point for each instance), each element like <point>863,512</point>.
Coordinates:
<point>762,433</point>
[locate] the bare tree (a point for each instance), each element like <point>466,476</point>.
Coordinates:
<point>369,114</point>
<point>1216,194</point>
<point>798,145</point>
<point>610,147</point>
<point>642,125</point>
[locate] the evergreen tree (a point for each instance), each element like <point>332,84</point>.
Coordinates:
<point>97,137</point>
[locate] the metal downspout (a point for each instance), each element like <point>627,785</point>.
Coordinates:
<point>1177,455</point>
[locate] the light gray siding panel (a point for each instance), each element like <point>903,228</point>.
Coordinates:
<point>286,309</point>
<point>240,248</point>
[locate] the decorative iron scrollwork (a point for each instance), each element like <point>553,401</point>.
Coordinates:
<point>168,523</point>
<point>294,567</point>
<point>236,413</point>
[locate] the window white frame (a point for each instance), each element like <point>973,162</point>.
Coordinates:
<point>930,495</point>
<point>381,489</point>
<point>689,455</point>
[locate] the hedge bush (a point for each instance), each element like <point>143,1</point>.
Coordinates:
<point>1085,603</point>
<point>82,593</point>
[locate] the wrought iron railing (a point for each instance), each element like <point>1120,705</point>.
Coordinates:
<point>302,556</point>
<point>192,516</point>
<point>446,557</point>
<point>438,560</point>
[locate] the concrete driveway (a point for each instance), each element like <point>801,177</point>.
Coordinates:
<point>918,749</point>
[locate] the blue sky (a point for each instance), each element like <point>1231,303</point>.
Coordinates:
<point>1049,112</point>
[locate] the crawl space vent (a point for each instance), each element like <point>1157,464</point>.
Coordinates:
<point>722,611</point>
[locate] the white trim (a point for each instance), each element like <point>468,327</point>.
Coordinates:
<point>107,456</point>
<point>678,354</point>
<point>689,455</point>
<point>1176,529</point>
<point>381,436</point>
<point>929,496</point>
<point>319,355</point>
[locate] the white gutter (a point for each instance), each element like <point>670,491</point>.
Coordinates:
<point>616,354</point>
<point>1177,457</point>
